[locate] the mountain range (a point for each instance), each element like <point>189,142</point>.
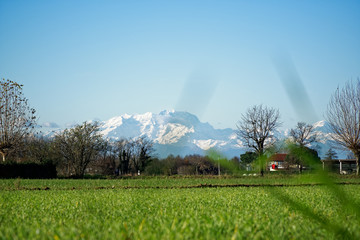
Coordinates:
<point>181,133</point>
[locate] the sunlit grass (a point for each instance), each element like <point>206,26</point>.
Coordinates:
<point>177,181</point>
<point>88,212</point>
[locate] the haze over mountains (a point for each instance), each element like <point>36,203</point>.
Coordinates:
<point>181,133</point>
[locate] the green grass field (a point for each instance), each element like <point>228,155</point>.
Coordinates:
<point>164,208</point>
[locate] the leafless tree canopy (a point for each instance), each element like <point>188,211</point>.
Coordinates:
<point>303,134</point>
<point>79,146</point>
<point>17,119</point>
<point>257,126</point>
<point>343,116</point>
<point>134,154</point>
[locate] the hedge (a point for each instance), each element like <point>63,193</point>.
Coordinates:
<point>28,170</point>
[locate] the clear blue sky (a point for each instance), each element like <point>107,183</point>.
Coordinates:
<point>83,60</point>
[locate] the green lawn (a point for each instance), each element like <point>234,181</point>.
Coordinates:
<point>91,212</point>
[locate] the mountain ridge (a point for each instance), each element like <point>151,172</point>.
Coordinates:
<point>182,133</point>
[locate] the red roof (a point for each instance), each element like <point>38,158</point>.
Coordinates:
<point>278,157</point>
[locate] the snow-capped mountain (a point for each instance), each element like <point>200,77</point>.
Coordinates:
<point>173,132</point>
<point>324,140</point>
<point>181,133</point>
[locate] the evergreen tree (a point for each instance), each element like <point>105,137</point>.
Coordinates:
<point>330,154</point>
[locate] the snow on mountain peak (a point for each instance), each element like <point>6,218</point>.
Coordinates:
<point>126,116</point>
<point>166,112</point>
<point>172,133</point>
<point>182,133</point>
<point>319,124</point>
<point>145,118</point>
<point>322,127</point>
<point>181,130</point>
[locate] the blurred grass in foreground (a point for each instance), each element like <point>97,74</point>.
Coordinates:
<point>201,213</point>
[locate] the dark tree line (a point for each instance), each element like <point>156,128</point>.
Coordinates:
<point>77,150</point>
<point>88,150</point>
<point>192,165</point>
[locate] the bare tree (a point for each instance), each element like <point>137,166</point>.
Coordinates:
<point>124,153</point>
<point>142,148</point>
<point>134,154</point>
<point>79,146</point>
<point>256,129</point>
<point>257,126</point>
<point>17,119</point>
<point>303,134</point>
<point>38,149</point>
<point>106,161</point>
<point>343,116</point>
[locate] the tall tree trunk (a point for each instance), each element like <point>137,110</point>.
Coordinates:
<point>3,156</point>
<point>68,169</point>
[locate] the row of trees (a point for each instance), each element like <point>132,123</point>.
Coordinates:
<point>190,165</point>
<point>257,130</point>
<point>72,150</point>
<point>75,148</point>
<point>257,127</point>
<point>82,145</point>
